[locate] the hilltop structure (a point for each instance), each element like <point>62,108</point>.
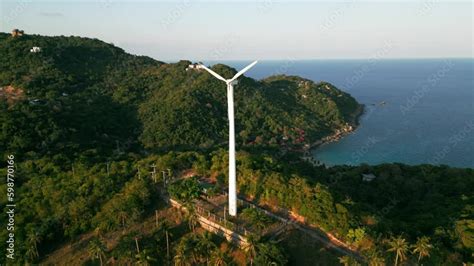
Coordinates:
<point>17,33</point>
<point>194,66</point>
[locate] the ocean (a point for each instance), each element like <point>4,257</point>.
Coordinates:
<point>416,110</point>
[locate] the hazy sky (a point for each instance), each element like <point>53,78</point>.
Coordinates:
<point>266,29</point>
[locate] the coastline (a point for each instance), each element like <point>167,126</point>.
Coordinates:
<point>340,133</point>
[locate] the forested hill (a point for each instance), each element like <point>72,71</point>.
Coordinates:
<point>87,122</point>
<point>81,96</point>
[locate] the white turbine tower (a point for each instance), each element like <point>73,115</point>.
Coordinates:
<point>230,109</point>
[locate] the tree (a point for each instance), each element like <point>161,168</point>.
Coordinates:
<point>98,232</point>
<point>33,239</point>
<point>345,260</point>
<point>220,258</point>
<point>143,258</point>
<point>164,227</point>
<point>422,247</point>
<point>185,190</point>
<point>399,246</point>
<point>257,218</point>
<point>376,260</point>
<point>184,251</point>
<point>348,261</point>
<point>123,216</point>
<point>251,247</point>
<point>355,236</point>
<point>192,217</point>
<point>97,250</point>
<point>270,254</point>
<point>205,246</point>
<point>182,259</point>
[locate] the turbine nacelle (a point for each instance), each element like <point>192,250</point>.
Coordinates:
<point>234,78</point>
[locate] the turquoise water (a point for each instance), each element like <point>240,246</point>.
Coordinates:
<point>417,111</point>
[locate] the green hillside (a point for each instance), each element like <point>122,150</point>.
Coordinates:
<point>81,116</point>
<point>81,92</point>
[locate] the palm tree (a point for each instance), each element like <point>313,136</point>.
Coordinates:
<point>220,258</point>
<point>348,261</point>
<point>376,260</point>
<point>399,246</point>
<point>251,247</point>
<point>163,232</point>
<point>143,258</point>
<point>192,217</point>
<point>205,246</point>
<point>123,217</point>
<point>168,234</point>
<point>33,240</point>
<point>164,226</point>
<point>182,259</point>
<point>422,247</point>
<point>260,221</point>
<point>345,260</point>
<point>184,256</point>
<point>98,232</point>
<point>97,250</point>
<point>31,254</point>
<point>135,214</point>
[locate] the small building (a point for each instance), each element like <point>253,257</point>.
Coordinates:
<point>17,33</point>
<point>35,49</point>
<point>368,177</point>
<point>197,66</point>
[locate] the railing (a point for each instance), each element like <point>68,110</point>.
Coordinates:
<point>242,231</point>
<point>210,220</point>
<point>221,220</point>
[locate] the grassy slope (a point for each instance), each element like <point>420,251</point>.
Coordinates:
<point>302,250</point>
<point>76,253</point>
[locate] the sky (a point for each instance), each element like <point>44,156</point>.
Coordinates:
<point>260,29</point>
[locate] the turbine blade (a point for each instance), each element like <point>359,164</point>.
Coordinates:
<point>243,71</point>
<point>214,73</point>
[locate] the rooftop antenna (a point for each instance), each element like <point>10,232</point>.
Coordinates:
<point>230,109</point>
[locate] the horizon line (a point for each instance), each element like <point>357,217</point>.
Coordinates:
<point>314,59</point>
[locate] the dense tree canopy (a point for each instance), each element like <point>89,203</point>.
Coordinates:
<point>80,92</point>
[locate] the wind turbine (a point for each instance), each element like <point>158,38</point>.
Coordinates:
<point>230,109</point>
